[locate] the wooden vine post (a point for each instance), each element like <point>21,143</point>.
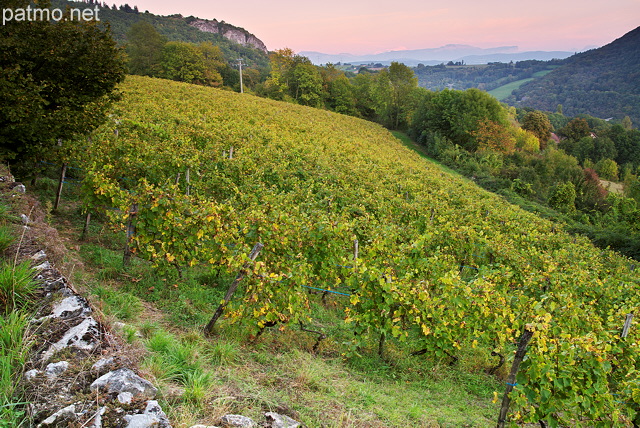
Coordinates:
<point>63,174</point>
<point>627,326</point>
<point>511,380</point>
<point>85,229</point>
<point>383,336</point>
<point>188,181</point>
<point>131,230</point>
<point>355,252</point>
<point>232,289</point>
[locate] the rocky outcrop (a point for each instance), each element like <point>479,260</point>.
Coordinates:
<point>78,374</point>
<point>230,32</point>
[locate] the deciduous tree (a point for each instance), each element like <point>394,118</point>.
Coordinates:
<point>57,80</point>
<point>576,129</point>
<point>493,136</point>
<point>307,84</point>
<point>456,115</point>
<point>403,82</point>
<point>563,198</point>
<point>526,141</point>
<point>607,169</point>
<point>144,47</point>
<point>183,62</point>
<point>214,61</point>
<point>539,125</point>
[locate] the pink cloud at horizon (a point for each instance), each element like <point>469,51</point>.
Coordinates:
<point>360,27</point>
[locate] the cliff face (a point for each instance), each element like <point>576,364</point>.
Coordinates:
<point>230,32</point>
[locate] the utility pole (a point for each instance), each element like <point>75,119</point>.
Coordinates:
<point>240,66</point>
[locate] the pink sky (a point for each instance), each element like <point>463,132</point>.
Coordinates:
<point>372,26</point>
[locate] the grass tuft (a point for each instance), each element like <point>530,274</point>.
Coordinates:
<point>6,237</point>
<point>16,285</point>
<point>196,385</point>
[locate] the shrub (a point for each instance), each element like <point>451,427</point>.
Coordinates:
<point>563,198</point>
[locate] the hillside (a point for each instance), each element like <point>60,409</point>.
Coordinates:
<point>485,77</point>
<point>603,82</point>
<point>444,272</point>
<point>235,42</point>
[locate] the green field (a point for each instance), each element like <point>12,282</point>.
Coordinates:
<point>504,91</point>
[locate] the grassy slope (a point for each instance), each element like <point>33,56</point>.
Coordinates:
<point>504,91</point>
<point>352,160</point>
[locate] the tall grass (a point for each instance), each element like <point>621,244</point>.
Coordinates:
<point>14,348</point>
<point>6,237</point>
<point>178,360</point>
<point>16,285</point>
<point>117,303</point>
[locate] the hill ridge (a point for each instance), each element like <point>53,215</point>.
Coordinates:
<point>602,82</point>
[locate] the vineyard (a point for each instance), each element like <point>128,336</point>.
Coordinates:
<point>420,258</point>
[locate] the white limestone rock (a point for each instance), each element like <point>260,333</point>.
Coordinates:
<point>275,420</point>
<point>62,417</point>
<point>104,365</point>
<point>39,256</point>
<point>84,336</point>
<point>153,417</point>
<point>237,421</point>
<point>69,307</point>
<point>43,266</point>
<point>54,370</point>
<point>32,374</point>
<point>125,380</point>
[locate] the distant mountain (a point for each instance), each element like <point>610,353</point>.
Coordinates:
<point>603,82</point>
<point>433,56</point>
<point>516,57</point>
